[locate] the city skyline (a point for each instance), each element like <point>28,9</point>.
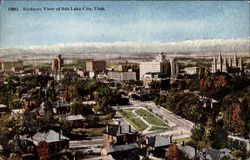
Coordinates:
<point>122,21</point>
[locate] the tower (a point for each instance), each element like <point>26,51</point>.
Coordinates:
<point>57,63</point>
<point>214,65</point>
<point>234,62</point>
<point>173,67</point>
<point>219,63</point>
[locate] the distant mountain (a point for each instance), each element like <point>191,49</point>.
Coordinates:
<point>199,47</point>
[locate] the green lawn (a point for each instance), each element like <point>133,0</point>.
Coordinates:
<point>90,132</point>
<point>179,141</point>
<point>138,124</point>
<point>150,118</point>
<point>127,113</point>
<point>154,128</point>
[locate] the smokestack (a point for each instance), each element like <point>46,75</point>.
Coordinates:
<point>129,128</point>
<point>171,139</point>
<point>107,128</point>
<point>147,140</point>
<point>60,134</point>
<point>183,143</point>
<point>120,129</point>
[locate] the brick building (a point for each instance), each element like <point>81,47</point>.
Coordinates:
<point>96,66</point>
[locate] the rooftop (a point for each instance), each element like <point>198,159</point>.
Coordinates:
<point>119,148</point>
<point>3,106</point>
<point>75,117</point>
<point>158,141</point>
<point>50,136</point>
<point>119,130</point>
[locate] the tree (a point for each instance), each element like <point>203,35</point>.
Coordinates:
<point>79,108</point>
<point>175,154</point>
<point>197,135</point>
<point>43,150</point>
<point>172,152</point>
<point>238,123</point>
<point>14,156</point>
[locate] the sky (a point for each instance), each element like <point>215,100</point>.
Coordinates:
<point>161,21</point>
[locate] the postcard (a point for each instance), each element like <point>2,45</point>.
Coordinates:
<point>124,80</point>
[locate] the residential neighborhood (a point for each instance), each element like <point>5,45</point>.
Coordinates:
<point>55,115</point>
<point>124,80</point>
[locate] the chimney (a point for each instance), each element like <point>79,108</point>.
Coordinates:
<point>60,134</point>
<point>147,140</point>
<point>119,123</point>
<point>183,143</point>
<point>120,127</point>
<point>129,128</point>
<point>171,138</point>
<point>107,128</point>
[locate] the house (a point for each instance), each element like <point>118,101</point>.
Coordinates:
<point>3,109</point>
<point>208,102</point>
<point>55,141</point>
<point>119,134</point>
<point>28,148</point>
<point>188,151</point>
<point>108,157</point>
<point>120,141</point>
<point>17,111</point>
<point>121,151</point>
<point>61,108</point>
<point>158,141</point>
<point>209,153</point>
<point>76,121</point>
<point>156,146</point>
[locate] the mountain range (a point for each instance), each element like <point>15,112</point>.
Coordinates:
<point>200,47</point>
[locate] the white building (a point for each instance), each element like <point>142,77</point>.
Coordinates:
<point>160,64</point>
<point>121,76</point>
<point>221,64</point>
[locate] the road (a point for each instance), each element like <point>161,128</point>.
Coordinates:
<point>94,142</point>
<point>179,127</point>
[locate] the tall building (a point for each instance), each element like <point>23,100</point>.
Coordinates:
<point>96,66</point>
<point>221,64</point>
<point>160,65</point>
<point>57,63</point>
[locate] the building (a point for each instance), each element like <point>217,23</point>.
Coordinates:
<point>118,135</point>
<point>96,66</point>
<point>57,63</point>
<point>55,141</point>
<point>8,65</point>
<point>222,64</point>
<point>121,76</point>
<point>161,79</point>
<point>120,141</point>
<point>191,70</point>
<point>175,68</point>
<point>61,108</point>
<point>3,109</point>
<point>129,67</point>
<point>209,102</point>
<point>76,121</point>
<point>160,64</point>
<point>214,154</point>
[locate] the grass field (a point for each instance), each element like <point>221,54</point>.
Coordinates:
<point>138,124</point>
<point>127,113</point>
<point>154,128</point>
<point>179,141</point>
<point>150,118</point>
